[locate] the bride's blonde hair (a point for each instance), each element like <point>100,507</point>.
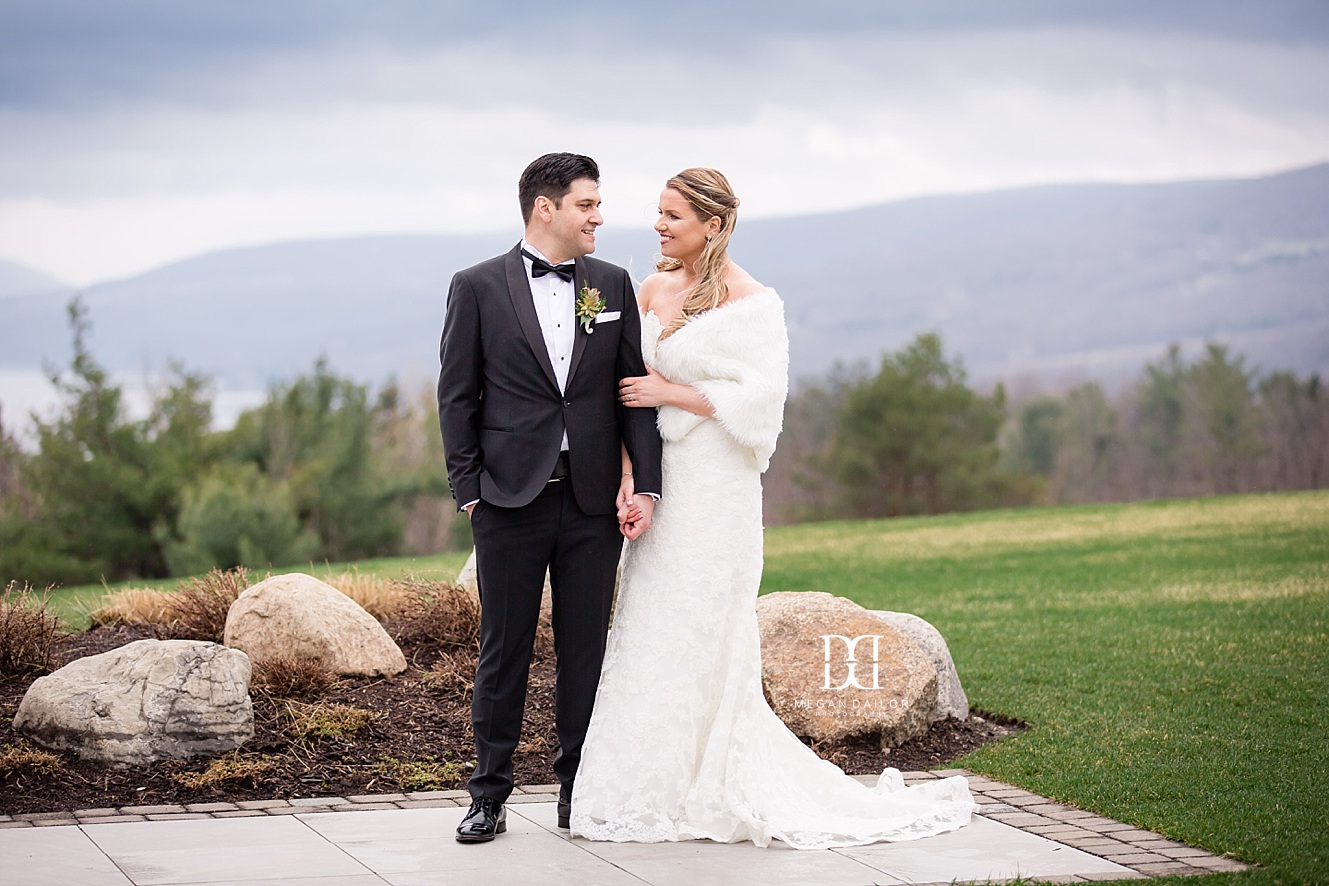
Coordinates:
<point>710,196</point>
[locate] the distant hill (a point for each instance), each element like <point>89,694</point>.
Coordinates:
<point>1064,282</point>
<point>17,280</point>
<point>1049,283</point>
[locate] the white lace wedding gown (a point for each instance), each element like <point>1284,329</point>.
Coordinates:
<point>682,744</point>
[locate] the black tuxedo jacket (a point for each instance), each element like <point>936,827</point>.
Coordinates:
<point>499,406</point>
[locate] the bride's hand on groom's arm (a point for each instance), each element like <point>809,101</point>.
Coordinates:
<point>653,389</point>
<point>649,390</point>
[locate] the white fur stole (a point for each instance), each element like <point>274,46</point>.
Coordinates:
<point>737,357</point>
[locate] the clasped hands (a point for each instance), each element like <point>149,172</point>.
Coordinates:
<point>634,510</point>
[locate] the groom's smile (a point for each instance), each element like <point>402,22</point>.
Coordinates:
<point>574,220</point>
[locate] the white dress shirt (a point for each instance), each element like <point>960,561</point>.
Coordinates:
<point>554,303</point>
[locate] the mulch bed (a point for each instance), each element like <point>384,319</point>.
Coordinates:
<point>418,718</point>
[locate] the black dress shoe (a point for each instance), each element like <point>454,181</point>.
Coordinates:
<point>486,819</point>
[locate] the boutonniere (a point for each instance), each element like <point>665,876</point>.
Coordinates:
<point>589,306</point>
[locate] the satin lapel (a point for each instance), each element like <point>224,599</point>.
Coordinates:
<point>519,289</point>
<point>581,279</point>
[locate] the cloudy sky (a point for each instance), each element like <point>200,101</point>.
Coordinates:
<point>137,132</point>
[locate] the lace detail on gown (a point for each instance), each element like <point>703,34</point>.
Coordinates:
<point>682,744</point>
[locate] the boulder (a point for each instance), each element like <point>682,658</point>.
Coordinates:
<point>146,701</point>
<point>833,670</point>
<point>298,616</point>
<point>951,700</point>
<point>466,578</point>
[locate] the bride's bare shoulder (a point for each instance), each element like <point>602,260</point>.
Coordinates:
<point>741,284</point>
<point>657,285</point>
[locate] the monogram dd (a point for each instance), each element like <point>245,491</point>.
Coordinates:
<point>851,660</point>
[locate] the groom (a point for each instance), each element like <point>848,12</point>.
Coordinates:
<point>534,343</point>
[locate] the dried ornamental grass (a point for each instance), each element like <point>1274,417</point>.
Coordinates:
<point>201,604</point>
<point>195,610</point>
<point>381,598</point>
<point>451,672</point>
<point>284,677</point>
<point>17,761</point>
<point>27,631</point>
<point>133,606</point>
<point>441,612</point>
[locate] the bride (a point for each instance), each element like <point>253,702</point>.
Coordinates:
<point>682,744</point>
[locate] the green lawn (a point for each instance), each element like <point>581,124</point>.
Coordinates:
<point>1172,657</point>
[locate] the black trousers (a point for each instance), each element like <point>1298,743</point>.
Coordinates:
<point>513,549</point>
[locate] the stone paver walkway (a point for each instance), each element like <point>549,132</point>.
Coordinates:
<point>406,840</point>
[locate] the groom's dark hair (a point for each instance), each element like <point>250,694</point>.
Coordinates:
<point>552,176</point>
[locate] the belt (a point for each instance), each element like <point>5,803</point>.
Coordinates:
<point>562,468</point>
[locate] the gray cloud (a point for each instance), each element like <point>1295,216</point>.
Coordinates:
<point>83,53</point>
<point>137,131</point>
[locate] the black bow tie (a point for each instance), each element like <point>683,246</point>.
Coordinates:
<point>540,267</point>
